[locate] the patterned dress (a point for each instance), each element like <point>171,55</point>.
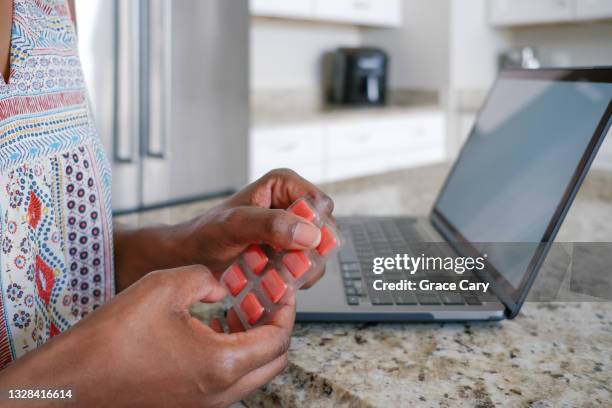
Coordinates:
<point>55,215</point>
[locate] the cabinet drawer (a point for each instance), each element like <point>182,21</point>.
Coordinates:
<point>367,12</point>
<point>311,172</point>
<point>295,147</point>
<point>282,8</point>
<point>344,169</point>
<point>364,138</point>
<point>347,140</point>
<point>518,12</point>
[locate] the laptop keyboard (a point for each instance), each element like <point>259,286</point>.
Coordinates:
<point>386,238</point>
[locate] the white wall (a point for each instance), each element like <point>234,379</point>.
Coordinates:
<point>442,43</point>
<point>287,54</point>
<point>419,49</point>
<point>569,44</point>
<point>474,46</point>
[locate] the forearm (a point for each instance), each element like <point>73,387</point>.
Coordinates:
<point>60,364</point>
<point>140,251</point>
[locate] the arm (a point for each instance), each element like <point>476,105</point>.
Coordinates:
<point>72,12</point>
<point>144,349</point>
<point>139,251</point>
<point>253,215</point>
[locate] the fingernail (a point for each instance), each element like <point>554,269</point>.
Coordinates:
<point>306,235</point>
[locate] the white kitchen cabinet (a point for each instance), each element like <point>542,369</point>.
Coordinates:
<point>361,12</point>
<point>528,12</point>
<point>344,147</point>
<point>282,8</point>
<point>368,137</point>
<point>593,9</point>
<point>298,146</point>
<point>367,146</point>
<point>365,12</point>
<point>520,12</point>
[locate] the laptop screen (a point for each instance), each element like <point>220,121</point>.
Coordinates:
<point>522,155</point>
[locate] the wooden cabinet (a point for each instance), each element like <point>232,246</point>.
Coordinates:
<point>360,12</point>
<point>341,148</point>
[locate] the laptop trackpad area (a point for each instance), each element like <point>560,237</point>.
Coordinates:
<point>326,295</point>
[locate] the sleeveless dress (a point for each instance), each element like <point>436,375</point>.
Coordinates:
<point>56,255</point>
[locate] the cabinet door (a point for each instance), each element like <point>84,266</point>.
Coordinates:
<point>519,12</point>
<point>384,136</point>
<point>593,9</point>
<point>296,147</point>
<point>364,12</point>
<point>282,8</point>
<point>375,145</point>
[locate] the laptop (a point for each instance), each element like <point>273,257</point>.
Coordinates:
<point>512,184</point>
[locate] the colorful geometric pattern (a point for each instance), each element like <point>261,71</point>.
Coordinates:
<point>56,255</point>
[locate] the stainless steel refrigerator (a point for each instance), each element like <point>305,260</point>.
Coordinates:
<point>169,90</point>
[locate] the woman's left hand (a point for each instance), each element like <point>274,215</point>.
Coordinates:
<point>253,215</point>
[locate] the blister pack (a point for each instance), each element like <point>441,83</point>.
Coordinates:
<point>260,279</point>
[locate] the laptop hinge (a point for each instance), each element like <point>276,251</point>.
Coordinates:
<point>438,224</point>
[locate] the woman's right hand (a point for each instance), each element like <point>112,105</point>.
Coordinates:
<point>144,349</point>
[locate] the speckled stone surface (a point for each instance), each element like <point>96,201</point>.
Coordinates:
<point>270,108</point>
<point>551,355</point>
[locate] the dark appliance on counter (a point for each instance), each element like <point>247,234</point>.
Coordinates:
<point>358,76</point>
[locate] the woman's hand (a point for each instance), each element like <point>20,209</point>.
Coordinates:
<point>253,215</point>
<point>144,349</point>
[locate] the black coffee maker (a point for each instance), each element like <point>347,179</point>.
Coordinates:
<point>358,76</point>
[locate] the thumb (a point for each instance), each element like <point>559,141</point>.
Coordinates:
<point>278,228</point>
<point>195,283</point>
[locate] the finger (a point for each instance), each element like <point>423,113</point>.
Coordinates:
<point>279,189</point>
<point>257,378</point>
<point>278,228</point>
<point>256,347</point>
<point>233,322</point>
<point>259,346</point>
<point>194,283</point>
<point>333,221</point>
<point>317,275</point>
<point>287,186</point>
<point>216,325</point>
<point>284,317</point>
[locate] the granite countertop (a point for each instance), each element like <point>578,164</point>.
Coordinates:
<point>277,108</point>
<point>349,113</point>
<point>552,354</point>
